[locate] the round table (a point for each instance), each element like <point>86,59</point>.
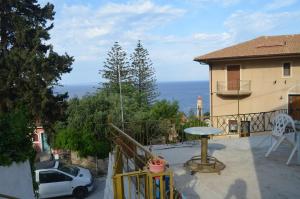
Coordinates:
<point>204,163</point>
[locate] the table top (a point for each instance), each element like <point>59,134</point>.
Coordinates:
<point>203,131</point>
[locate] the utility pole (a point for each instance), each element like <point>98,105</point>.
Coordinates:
<point>239,119</point>
<point>121,98</point>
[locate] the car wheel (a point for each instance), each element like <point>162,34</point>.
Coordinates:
<point>80,192</point>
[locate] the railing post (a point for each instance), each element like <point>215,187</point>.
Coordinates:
<point>239,125</point>
<point>171,186</point>
<point>150,185</point>
<point>264,119</point>
<point>118,187</point>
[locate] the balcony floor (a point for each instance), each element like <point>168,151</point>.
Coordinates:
<point>248,174</point>
<point>233,92</point>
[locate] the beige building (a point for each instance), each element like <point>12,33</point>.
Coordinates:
<point>259,75</point>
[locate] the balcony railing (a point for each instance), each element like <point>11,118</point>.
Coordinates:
<point>234,87</point>
<point>148,132</point>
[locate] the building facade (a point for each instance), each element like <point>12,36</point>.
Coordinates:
<point>259,75</point>
<point>40,143</point>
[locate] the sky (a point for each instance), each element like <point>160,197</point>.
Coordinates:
<point>173,31</point>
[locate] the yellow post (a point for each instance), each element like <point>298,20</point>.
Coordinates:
<point>150,181</point>
<point>171,186</point>
<point>161,187</point>
<point>118,187</point>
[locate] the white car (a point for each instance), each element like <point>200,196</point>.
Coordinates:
<point>57,179</point>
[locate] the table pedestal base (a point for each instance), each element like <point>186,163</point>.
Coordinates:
<point>211,165</point>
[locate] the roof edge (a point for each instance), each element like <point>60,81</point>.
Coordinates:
<point>197,59</point>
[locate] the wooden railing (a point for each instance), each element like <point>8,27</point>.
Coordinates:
<point>131,177</point>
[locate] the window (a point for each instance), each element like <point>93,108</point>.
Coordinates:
<point>68,169</point>
<point>35,137</point>
<point>233,126</point>
<point>53,176</point>
<point>287,69</point>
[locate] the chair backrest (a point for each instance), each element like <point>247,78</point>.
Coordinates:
<point>281,121</point>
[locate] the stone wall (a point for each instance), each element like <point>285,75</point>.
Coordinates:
<point>97,166</point>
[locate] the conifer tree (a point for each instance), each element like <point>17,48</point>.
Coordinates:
<point>143,75</point>
<point>116,60</point>
<point>29,67</point>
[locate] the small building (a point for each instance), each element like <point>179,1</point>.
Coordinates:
<point>40,143</point>
<point>259,75</point>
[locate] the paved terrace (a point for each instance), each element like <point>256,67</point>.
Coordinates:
<point>248,174</point>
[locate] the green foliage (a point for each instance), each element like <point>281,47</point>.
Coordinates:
<point>116,68</point>
<point>29,67</point>
<point>164,110</point>
<point>86,125</point>
<point>15,135</point>
<point>143,76</point>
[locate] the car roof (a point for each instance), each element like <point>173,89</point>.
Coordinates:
<point>45,165</point>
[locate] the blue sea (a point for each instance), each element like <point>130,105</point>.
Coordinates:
<point>186,93</point>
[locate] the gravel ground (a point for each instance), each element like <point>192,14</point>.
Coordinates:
<point>97,193</point>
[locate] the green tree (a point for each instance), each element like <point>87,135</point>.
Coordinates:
<point>29,68</point>
<point>164,109</point>
<point>143,75</point>
<point>84,130</point>
<point>15,135</point>
<point>116,68</point>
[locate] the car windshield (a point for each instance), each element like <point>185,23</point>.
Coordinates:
<point>72,170</point>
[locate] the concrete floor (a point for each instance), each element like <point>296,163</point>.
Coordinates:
<point>248,174</point>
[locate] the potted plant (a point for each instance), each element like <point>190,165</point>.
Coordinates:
<point>157,165</point>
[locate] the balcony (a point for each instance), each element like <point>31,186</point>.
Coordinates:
<point>234,88</point>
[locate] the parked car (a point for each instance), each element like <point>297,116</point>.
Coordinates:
<point>58,179</point>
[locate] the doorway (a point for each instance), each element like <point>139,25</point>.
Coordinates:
<point>233,77</point>
<point>294,106</point>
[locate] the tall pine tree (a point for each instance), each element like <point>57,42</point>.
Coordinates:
<point>116,60</point>
<point>143,75</point>
<point>29,67</point>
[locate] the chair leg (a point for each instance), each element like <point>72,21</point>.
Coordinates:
<point>279,142</point>
<point>292,154</point>
<point>271,148</point>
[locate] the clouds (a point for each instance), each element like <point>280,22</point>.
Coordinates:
<point>220,2</point>
<point>277,4</point>
<point>174,31</point>
<point>85,30</point>
<point>245,24</point>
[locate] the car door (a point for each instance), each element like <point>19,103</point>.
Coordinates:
<point>53,183</point>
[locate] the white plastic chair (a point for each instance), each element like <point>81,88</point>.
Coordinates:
<point>279,133</point>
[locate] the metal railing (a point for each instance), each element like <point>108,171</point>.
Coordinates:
<point>151,132</point>
<point>234,85</point>
<point>131,177</point>
<point>245,123</point>
<point>172,131</point>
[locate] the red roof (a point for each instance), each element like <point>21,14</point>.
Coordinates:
<point>265,46</point>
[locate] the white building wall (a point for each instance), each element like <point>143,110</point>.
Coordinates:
<point>109,190</point>
<point>16,180</point>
